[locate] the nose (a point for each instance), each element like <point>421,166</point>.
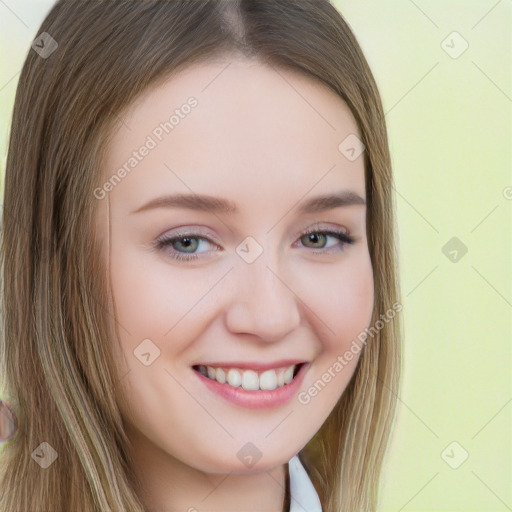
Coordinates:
<point>262,301</point>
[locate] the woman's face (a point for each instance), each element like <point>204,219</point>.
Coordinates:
<point>255,293</point>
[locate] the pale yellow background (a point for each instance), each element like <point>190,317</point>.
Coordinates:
<point>450,129</point>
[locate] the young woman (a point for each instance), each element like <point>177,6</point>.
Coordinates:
<point>200,298</point>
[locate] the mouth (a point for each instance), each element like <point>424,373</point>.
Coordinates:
<point>251,379</point>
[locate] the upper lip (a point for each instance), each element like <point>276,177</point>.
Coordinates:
<point>244,365</point>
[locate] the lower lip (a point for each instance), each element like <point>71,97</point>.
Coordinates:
<point>256,399</point>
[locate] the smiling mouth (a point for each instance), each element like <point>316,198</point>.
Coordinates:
<point>251,380</point>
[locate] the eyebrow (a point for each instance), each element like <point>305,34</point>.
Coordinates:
<point>218,205</point>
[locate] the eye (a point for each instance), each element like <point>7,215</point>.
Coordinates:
<point>189,243</point>
<point>316,236</point>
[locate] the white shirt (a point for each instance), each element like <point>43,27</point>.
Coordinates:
<point>303,495</point>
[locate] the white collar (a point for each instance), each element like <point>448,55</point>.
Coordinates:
<point>303,495</point>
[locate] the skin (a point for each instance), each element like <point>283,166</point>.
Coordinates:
<point>265,140</point>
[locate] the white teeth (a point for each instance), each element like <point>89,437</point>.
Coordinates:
<point>268,380</point>
<point>250,380</point>
<point>211,372</point>
<point>288,375</point>
<point>220,375</point>
<point>234,378</point>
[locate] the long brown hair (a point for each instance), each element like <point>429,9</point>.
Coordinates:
<point>57,366</point>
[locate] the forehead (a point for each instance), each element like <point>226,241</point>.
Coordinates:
<point>252,130</point>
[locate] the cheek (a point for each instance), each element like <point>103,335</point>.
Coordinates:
<point>342,303</point>
<point>354,303</point>
<point>342,300</point>
<point>149,303</point>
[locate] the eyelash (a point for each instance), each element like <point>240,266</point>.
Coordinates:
<point>165,241</point>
